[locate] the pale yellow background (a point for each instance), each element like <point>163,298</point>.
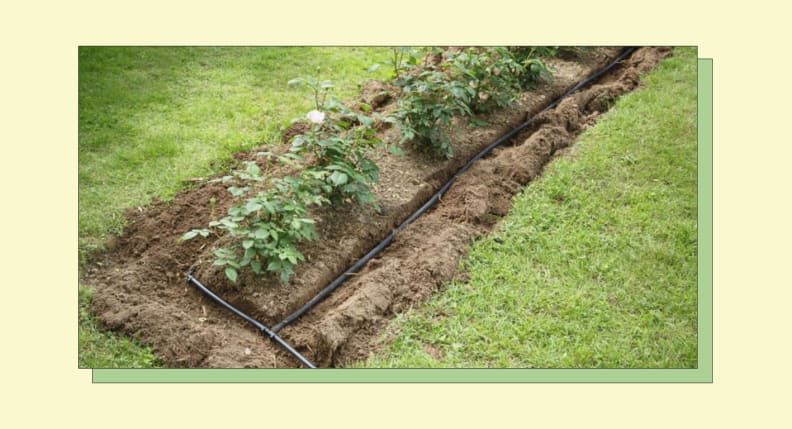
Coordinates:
<point>42,386</point>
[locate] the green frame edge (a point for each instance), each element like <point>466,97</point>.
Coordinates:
<point>702,374</point>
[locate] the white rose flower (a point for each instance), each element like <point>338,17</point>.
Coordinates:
<point>316,116</point>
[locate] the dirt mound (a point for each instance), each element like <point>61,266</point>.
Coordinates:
<point>427,254</point>
<point>140,282</point>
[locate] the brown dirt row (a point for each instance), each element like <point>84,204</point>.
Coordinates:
<point>425,256</point>
<point>140,284</point>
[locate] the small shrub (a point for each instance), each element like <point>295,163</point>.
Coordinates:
<point>339,140</point>
<point>428,102</point>
<point>272,216</point>
<point>533,69</point>
<point>402,58</point>
<point>475,80</point>
<point>492,73</point>
<point>266,225</point>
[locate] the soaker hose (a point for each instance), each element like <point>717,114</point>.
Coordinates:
<point>272,333</point>
<point>438,195</point>
<point>264,330</point>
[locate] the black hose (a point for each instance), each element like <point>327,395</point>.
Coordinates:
<point>272,333</point>
<point>438,195</point>
<point>264,330</point>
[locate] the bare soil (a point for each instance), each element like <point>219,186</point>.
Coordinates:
<point>140,285</point>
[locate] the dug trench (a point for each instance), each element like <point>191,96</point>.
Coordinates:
<point>140,287</point>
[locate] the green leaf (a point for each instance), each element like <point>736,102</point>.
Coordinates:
<point>253,169</point>
<point>247,244</point>
<point>374,68</point>
<point>338,178</point>
<point>295,224</point>
<point>189,234</point>
<point>256,266</point>
<point>262,234</point>
<point>236,191</point>
<point>228,223</point>
<point>365,120</point>
<point>253,206</point>
<point>221,253</point>
<point>478,123</point>
<point>249,254</point>
<point>231,274</point>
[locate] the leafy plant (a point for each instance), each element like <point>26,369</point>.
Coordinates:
<point>273,214</point>
<point>533,68</point>
<point>492,73</point>
<point>338,140</point>
<point>265,226</point>
<point>402,58</point>
<point>319,88</point>
<point>472,81</point>
<point>428,103</point>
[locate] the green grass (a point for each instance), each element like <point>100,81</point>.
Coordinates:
<point>100,349</point>
<point>152,117</point>
<point>595,266</point>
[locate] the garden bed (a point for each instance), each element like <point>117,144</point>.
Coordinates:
<point>140,287</point>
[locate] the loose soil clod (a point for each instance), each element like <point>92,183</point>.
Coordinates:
<point>141,288</point>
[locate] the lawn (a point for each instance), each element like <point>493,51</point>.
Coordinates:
<point>595,266</point>
<point>151,118</point>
